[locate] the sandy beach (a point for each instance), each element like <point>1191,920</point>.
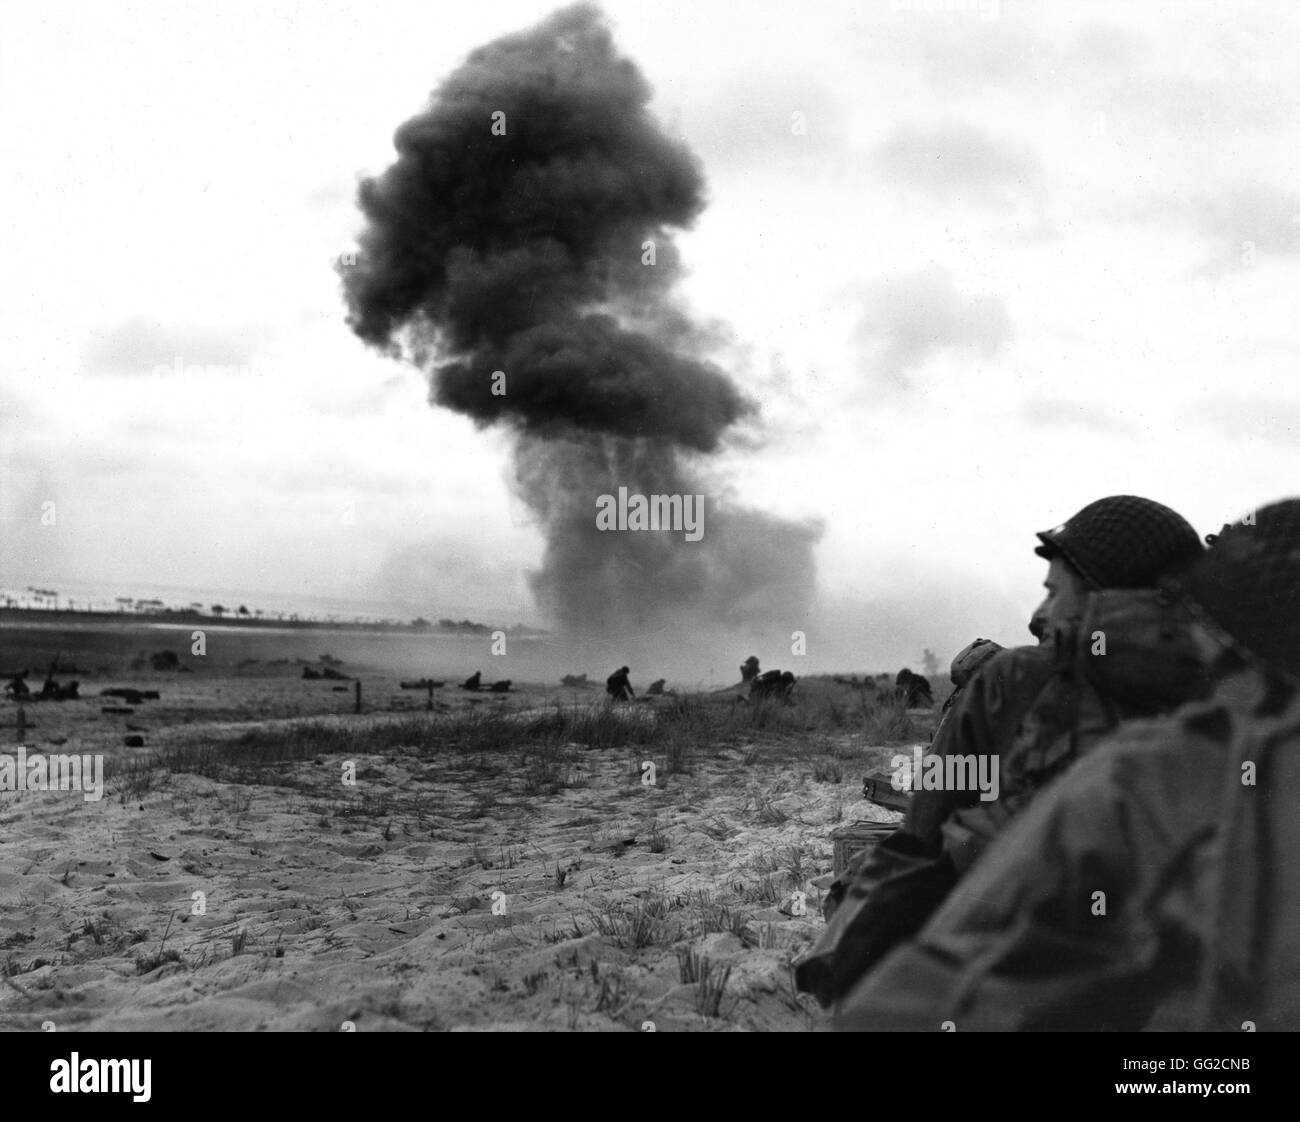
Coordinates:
<point>269,859</point>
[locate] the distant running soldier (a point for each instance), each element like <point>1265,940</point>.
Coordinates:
<point>913,688</point>
<point>617,685</point>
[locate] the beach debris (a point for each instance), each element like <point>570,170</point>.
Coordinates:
<point>613,845</point>
<point>312,674</point>
<point>129,695</point>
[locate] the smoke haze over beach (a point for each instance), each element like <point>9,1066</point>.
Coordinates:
<point>951,309</point>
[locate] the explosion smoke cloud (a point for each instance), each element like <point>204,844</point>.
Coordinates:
<point>520,249</point>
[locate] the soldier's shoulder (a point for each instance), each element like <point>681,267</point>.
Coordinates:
<point>1214,722</point>
<point>1003,688</point>
<point>1033,655</point>
<point>1013,666</point>
<point>1196,732</point>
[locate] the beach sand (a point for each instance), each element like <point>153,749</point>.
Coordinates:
<point>412,886</point>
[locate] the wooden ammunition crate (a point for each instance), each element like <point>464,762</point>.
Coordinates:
<point>878,787</point>
<point>852,839</point>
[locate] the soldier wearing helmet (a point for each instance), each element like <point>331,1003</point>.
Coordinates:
<point>1181,830</point>
<point>1122,542</point>
<point>1118,542</point>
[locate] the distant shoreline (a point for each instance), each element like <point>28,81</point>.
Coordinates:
<point>187,618</point>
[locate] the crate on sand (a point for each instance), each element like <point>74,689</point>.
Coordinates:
<point>852,839</point>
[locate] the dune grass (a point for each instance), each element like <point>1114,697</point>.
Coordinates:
<point>548,743</point>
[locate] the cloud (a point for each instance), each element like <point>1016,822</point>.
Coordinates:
<point>138,346</point>
<point>958,159</point>
<point>15,411</point>
<point>757,115</point>
<point>1057,413</point>
<point>1247,419</point>
<point>973,58</point>
<point>913,314</point>
<point>333,196</point>
<point>1249,223</point>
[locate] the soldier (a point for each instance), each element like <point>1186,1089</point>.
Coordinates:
<point>749,669</point>
<point>1157,878</point>
<point>1131,654</point>
<point>888,891</point>
<point>914,688</point>
<point>772,683</point>
<point>617,685</point>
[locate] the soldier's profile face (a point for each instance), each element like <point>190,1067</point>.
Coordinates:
<point>1063,603</point>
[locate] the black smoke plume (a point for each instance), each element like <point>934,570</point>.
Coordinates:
<point>522,249</point>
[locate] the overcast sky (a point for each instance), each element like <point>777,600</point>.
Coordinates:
<point>1020,256</point>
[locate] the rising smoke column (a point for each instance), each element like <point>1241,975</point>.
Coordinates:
<point>523,252</point>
